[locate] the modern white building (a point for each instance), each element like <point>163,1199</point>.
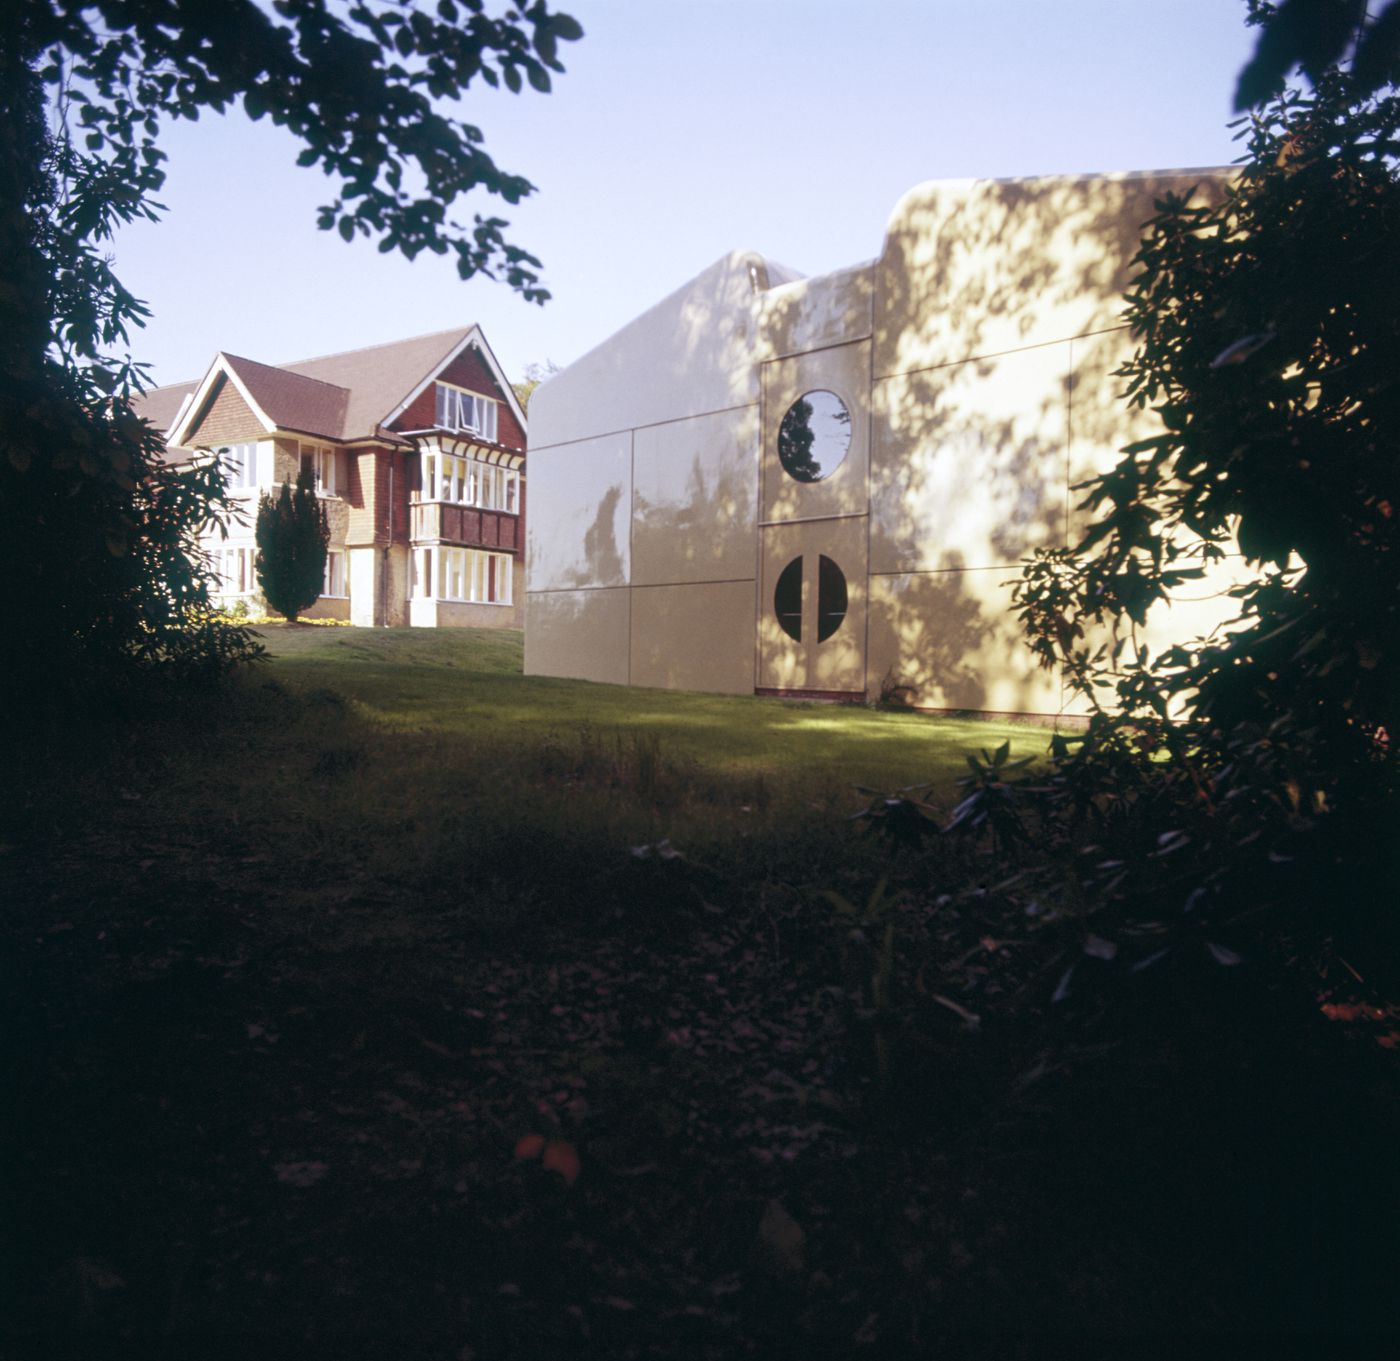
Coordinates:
<point>776,484</point>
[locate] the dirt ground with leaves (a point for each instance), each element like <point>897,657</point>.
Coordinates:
<point>265,1107</point>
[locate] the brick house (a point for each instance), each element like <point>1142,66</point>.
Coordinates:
<point>418,448</point>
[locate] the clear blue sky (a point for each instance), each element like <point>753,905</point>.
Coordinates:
<point>684,129</point>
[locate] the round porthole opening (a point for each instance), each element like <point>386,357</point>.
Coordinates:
<point>815,436</point>
<point>831,599</point>
<point>787,600</point>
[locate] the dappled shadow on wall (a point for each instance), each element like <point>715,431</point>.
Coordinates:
<point>969,463</point>
<point>979,292</point>
<point>693,531</point>
<point>983,268</point>
<point>602,555</point>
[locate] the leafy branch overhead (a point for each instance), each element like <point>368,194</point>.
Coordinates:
<point>1317,36</point>
<point>366,88</point>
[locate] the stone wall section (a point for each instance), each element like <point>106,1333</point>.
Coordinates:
<point>286,463</point>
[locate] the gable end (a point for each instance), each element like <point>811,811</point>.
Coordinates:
<point>225,419</point>
<point>470,370</point>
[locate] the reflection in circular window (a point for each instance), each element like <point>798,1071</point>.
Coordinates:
<point>814,436</point>
<point>831,599</point>
<point>787,600</point>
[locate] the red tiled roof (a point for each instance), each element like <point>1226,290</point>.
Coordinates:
<point>338,396</point>
<point>380,377</point>
<point>292,401</point>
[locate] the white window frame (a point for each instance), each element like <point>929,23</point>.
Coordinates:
<point>459,410</point>
<point>323,466</point>
<point>470,482</point>
<point>234,571</point>
<point>239,464</point>
<point>333,585</point>
<point>462,576</point>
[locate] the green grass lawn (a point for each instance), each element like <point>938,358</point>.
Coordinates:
<point>468,683</point>
<point>294,965</point>
<point>408,754</point>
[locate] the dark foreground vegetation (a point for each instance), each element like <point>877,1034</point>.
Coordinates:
<point>287,988</point>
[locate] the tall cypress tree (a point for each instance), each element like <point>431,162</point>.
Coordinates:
<point>292,535</point>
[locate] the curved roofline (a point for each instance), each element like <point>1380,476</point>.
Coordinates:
<point>968,183</point>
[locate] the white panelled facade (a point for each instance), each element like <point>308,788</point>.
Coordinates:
<point>685,533</point>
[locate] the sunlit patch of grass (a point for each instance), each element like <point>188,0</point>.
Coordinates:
<point>468,682</point>
<point>419,767</point>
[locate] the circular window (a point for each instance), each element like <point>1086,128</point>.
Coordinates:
<point>831,599</point>
<point>815,436</point>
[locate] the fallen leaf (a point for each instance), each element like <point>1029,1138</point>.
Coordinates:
<point>560,1157</point>
<point>780,1248</point>
<point>1096,947</point>
<point>529,1146</point>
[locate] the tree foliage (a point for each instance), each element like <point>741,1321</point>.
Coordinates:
<point>795,440</point>
<point>535,374</point>
<point>1268,324</point>
<point>363,86</point>
<point>1316,36</point>
<point>94,527</point>
<point>292,535</point>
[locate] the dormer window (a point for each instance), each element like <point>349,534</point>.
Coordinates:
<point>467,412</point>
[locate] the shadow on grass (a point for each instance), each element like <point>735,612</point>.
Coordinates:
<point>289,980</point>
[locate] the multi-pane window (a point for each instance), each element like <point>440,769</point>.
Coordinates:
<point>470,575</point>
<point>458,410</point>
<point>240,464</point>
<point>320,458</point>
<point>469,482</point>
<point>334,583</point>
<point>233,571</point>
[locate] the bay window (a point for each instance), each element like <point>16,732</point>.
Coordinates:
<point>470,482</point>
<point>469,575</point>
